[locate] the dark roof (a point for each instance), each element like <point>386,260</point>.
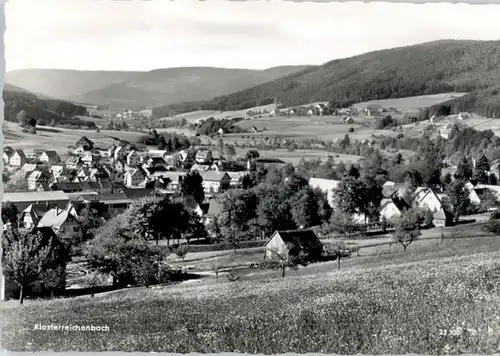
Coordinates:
<point>137,193</point>
<point>304,240</point>
<point>269,160</point>
<point>51,153</point>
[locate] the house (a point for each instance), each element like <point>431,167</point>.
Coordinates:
<point>220,131</point>
<point>155,162</point>
<point>253,129</point>
<point>327,186</point>
<point>203,156</point>
<point>40,200</point>
<point>440,218</point>
<point>74,163</point>
<point>172,179</point>
<point>39,180</point>
<point>28,168</point>
<point>192,205</point>
<point>426,198</point>
<point>473,196</point>
<point>212,211</point>
<point>64,222</point>
<point>310,112</point>
<point>28,218</point>
<point>133,159</point>
<point>118,153</point>
<point>391,208</point>
<point>119,166</point>
<point>87,158</point>
<point>236,178</point>
<point>50,157</point>
<point>347,120</point>
<point>133,178</point>
<point>463,116</point>
<point>214,182</point>
<point>84,143</point>
<point>200,167</point>
<point>17,159</point>
<point>293,242</point>
<point>56,171</point>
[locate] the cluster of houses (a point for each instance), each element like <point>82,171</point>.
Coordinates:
<point>397,197</point>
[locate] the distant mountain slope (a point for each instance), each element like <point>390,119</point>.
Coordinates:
<point>429,68</point>
<point>138,89</point>
<point>65,83</point>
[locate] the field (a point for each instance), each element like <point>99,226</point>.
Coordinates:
<point>59,139</point>
<point>196,116</point>
<point>410,104</point>
<point>437,299</point>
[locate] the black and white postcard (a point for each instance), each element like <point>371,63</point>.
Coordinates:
<point>258,177</point>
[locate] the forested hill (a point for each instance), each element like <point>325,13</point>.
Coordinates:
<point>44,110</point>
<point>428,68</point>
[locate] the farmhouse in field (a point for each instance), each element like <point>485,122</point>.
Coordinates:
<point>293,242</point>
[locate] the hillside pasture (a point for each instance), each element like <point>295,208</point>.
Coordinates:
<point>413,302</point>
<point>308,127</point>
<point>412,103</point>
<point>59,139</point>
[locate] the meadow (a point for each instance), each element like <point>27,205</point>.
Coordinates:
<point>411,104</point>
<point>441,299</point>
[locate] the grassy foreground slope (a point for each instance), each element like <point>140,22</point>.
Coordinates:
<point>439,300</point>
<point>429,68</point>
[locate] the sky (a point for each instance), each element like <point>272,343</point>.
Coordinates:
<point>145,35</point>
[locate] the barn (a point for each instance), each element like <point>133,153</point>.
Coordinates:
<point>292,242</point>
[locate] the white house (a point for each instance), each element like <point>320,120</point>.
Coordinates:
<point>473,196</point>
<point>133,159</point>
<point>17,159</point>
<point>214,182</point>
<point>327,186</point>
<point>426,198</point>
<point>87,158</point>
<point>389,209</point>
<point>28,218</point>
<point>50,157</point>
<point>133,178</point>
<point>62,221</point>
<point>39,180</point>
<point>236,178</point>
<point>292,242</point>
<point>463,116</point>
<point>56,171</point>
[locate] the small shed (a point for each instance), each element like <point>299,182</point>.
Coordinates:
<point>293,242</point>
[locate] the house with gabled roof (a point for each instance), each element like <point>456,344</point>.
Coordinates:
<point>18,158</point>
<point>39,180</point>
<point>236,178</point>
<point>212,212</point>
<point>133,159</point>
<point>214,182</point>
<point>50,157</point>
<point>85,143</point>
<point>293,242</point>
<point>56,171</point>
<point>74,162</point>
<point>29,218</point>
<point>133,178</point>
<point>203,156</point>
<point>64,222</point>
